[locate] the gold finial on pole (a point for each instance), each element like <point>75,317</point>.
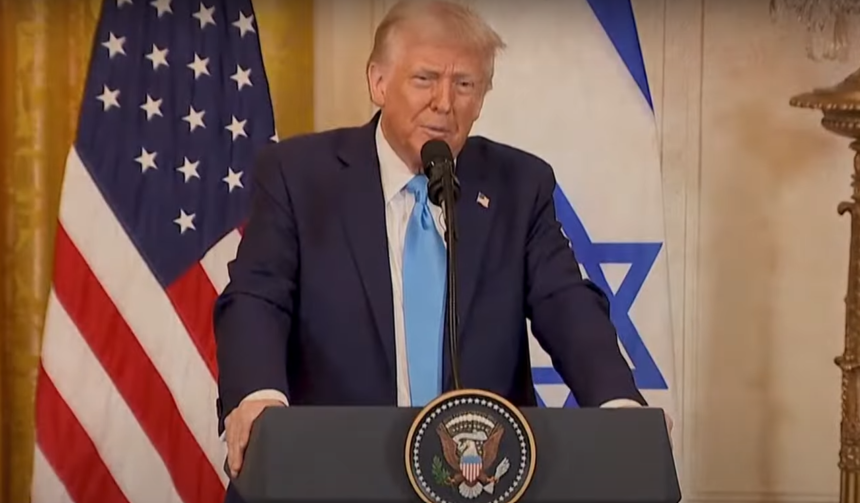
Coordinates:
<point>840,105</point>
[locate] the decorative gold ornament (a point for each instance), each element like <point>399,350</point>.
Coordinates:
<point>826,21</point>
<point>840,105</point>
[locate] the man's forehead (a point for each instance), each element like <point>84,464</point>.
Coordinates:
<point>427,38</point>
<point>440,56</point>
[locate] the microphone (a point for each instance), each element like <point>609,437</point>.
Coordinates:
<point>443,189</point>
<point>438,162</point>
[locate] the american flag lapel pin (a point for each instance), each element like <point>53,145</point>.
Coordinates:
<point>483,200</point>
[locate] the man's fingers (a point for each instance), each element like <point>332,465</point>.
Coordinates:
<point>244,432</point>
<point>234,449</point>
<point>231,450</point>
<point>238,431</point>
<point>236,460</point>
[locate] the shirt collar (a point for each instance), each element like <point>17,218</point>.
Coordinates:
<point>394,172</point>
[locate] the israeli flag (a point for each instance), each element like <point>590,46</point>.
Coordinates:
<point>572,88</point>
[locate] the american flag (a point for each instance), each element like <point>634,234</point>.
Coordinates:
<point>156,187</point>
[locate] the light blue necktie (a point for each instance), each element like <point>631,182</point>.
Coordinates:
<point>424,279</point>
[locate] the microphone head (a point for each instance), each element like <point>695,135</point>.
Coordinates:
<point>436,152</point>
<point>438,162</point>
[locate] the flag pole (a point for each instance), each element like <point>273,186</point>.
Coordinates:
<point>840,106</point>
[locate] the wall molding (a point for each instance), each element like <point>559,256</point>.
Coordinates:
<point>679,120</point>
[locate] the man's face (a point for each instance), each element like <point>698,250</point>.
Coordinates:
<point>427,90</point>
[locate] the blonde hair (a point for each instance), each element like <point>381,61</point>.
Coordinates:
<point>455,20</point>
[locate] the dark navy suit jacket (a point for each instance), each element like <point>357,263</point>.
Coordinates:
<point>309,311</point>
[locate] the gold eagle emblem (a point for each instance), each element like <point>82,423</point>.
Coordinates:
<point>470,454</point>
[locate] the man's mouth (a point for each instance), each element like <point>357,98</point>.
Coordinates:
<point>437,130</point>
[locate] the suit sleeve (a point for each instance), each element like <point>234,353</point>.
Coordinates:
<point>569,314</point>
<point>253,316</point>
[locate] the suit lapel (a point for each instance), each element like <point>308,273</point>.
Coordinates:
<point>363,215</point>
<point>475,211</point>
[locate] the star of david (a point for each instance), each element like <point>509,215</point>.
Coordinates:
<point>591,255</point>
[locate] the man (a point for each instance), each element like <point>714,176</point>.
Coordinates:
<point>337,294</point>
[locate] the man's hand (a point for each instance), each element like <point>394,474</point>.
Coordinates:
<point>237,427</point>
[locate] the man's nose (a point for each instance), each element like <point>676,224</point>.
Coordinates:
<point>442,97</point>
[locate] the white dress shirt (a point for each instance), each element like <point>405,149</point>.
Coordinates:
<point>398,208</point>
<point>399,203</point>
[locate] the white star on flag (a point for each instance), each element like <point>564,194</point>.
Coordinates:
<point>152,107</point>
<point>162,6</point>
<point>200,66</point>
<point>158,57</point>
<point>109,97</point>
<point>233,180</point>
<point>204,15</point>
<point>237,127</point>
<point>242,77</point>
<point>245,24</point>
<point>146,160</point>
<point>114,45</point>
<point>185,221</point>
<point>189,169</point>
<point>194,118</point>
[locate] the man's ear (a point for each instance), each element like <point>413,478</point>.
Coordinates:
<point>376,83</point>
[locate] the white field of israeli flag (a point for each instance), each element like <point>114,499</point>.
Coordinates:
<point>572,88</point>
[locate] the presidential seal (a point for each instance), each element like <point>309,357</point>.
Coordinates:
<point>470,446</point>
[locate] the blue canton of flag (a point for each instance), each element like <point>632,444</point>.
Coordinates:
<point>176,105</point>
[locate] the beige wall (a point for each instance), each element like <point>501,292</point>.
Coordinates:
<point>757,253</point>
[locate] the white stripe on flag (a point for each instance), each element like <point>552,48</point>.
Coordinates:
<point>216,259</point>
<point>47,487</point>
<point>143,304</point>
<point>103,414</point>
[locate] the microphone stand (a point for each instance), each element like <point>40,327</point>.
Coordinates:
<point>450,193</point>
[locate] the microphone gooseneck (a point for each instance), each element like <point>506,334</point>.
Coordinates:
<point>443,189</point>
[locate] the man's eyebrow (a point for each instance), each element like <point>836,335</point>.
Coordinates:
<point>436,73</point>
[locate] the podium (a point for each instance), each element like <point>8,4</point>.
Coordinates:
<point>357,455</point>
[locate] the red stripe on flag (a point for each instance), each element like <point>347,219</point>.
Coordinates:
<point>193,297</point>
<point>69,450</point>
<point>133,374</point>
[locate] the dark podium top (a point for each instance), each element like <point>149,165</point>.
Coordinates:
<point>356,455</point>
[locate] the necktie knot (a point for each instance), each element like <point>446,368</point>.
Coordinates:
<point>418,187</point>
